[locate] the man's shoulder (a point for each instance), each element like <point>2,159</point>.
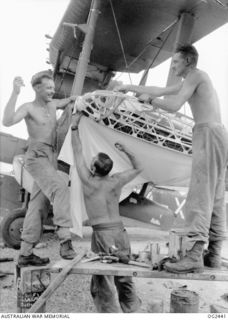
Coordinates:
<point>106,182</point>
<point>30,106</point>
<point>55,102</point>
<point>196,76</point>
<point>27,106</point>
<point>52,104</point>
<point>94,182</point>
<point>94,185</point>
<point>116,178</point>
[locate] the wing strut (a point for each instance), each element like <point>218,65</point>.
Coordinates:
<point>86,49</point>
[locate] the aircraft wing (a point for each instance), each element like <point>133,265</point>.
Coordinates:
<point>11,146</point>
<point>147,29</point>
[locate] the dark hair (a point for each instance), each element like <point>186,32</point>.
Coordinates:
<point>190,52</point>
<point>38,77</point>
<point>103,164</point>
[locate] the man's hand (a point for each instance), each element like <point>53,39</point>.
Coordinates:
<point>145,98</point>
<point>11,116</point>
<point>72,98</point>
<point>65,102</point>
<point>122,88</point>
<point>17,84</point>
<point>79,105</point>
<point>119,146</point>
<point>76,117</point>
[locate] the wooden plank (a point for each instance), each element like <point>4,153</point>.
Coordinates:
<point>86,267</point>
<point>120,269</point>
<point>139,264</point>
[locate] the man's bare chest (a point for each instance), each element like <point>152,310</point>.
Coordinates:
<point>44,115</point>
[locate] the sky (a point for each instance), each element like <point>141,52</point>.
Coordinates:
<point>23,25</point>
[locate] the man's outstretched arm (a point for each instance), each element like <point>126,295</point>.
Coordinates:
<point>174,103</point>
<point>129,154</point>
<point>10,116</point>
<point>83,171</point>
<point>151,91</point>
<point>128,175</point>
<point>62,103</point>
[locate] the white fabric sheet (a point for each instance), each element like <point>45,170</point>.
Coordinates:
<point>160,165</point>
<point>93,141</point>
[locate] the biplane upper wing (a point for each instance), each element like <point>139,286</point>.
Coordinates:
<point>146,31</point>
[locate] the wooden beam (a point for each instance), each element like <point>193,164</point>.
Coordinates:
<point>91,267</point>
<point>120,269</point>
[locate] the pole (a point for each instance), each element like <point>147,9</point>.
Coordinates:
<point>86,49</point>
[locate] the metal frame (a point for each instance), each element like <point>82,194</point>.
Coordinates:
<point>120,112</point>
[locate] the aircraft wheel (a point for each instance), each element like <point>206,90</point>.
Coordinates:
<point>12,226</point>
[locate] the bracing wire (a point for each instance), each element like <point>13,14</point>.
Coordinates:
<point>157,54</point>
<point>119,36</point>
<point>149,43</point>
<point>221,4</point>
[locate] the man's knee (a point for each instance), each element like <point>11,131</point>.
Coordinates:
<point>59,191</point>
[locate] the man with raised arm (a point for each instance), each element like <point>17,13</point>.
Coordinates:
<point>101,194</point>
<point>41,163</point>
<point>205,204</point>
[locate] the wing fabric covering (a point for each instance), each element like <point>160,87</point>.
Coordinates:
<point>160,165</point>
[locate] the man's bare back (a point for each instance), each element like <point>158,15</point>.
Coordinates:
<point>101,191</point>
<point>102,199</point>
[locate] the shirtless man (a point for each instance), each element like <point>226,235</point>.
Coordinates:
<point>41,163</point>
<point>205,207</point>
<point>101,195</point>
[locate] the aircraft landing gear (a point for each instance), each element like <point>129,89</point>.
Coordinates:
<point>12,226</point>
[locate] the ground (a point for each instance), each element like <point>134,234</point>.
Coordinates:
<point>73,295</point>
